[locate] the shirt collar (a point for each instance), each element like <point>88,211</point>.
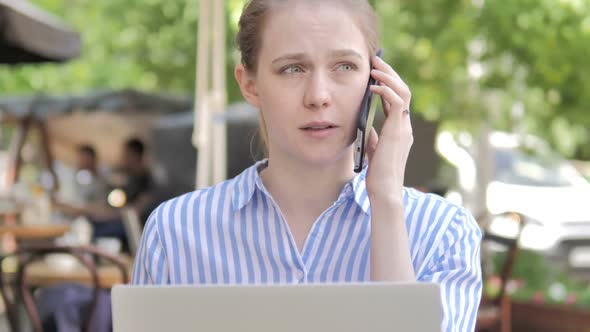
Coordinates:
<point>247,182</point>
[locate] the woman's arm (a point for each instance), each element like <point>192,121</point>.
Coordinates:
<point>388,154</point>
<point>150,265</point>
<point>455,265</point>
<point>390,250</point>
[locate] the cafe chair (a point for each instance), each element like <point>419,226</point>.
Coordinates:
<point>133,228</point>
<point>15,290</point>
<point>495,313</point>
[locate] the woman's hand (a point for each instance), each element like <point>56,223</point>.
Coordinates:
<point>388,152</point>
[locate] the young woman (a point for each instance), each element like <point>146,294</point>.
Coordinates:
<point>303,215</point>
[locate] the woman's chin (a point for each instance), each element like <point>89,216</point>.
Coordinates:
<point>326,157</point>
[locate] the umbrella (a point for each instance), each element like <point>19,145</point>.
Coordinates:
<point>29,34</point>
<point>211,100</point>
<point>121,101</point>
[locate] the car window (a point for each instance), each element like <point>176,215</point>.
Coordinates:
<point>530,168</point>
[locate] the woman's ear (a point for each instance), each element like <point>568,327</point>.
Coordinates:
<point>247,83</point>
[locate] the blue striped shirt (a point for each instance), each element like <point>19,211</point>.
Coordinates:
<point>234,233</point>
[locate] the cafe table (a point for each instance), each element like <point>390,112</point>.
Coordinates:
<point>49,272</point>
<point>34,232</point>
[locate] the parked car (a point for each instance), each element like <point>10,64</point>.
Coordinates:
<point>528,178</point>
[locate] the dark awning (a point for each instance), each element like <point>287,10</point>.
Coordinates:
<point>123,101</point>
<point>29,34</point>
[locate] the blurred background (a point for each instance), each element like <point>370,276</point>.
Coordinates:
<point>501,115</point>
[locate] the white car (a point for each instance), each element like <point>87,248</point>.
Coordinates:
<point>528,178</point>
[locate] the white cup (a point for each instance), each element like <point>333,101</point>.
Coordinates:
<point>82,230</point>
<point>109,245</point>
<point>62,261</point>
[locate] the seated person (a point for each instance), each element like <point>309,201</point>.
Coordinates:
<point>90,185</point>
<point>85,184</point>
<point>132,187</point>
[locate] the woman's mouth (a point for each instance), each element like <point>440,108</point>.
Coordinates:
<point>319,130</point>
<point>318,127</point>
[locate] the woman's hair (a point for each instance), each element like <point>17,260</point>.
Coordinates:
<point>255,14</point>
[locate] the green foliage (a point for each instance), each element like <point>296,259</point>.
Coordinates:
<point>531,57</point>
<point>148,45</point>
<point>547,42</point>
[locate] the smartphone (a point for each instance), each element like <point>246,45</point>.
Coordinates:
<point>365,123</point>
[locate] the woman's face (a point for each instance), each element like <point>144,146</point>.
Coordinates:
<point>312,72</point>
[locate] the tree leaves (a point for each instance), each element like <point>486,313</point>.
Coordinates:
<point>515,64</point>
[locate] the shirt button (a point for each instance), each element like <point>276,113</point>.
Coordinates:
<point>299,274</point>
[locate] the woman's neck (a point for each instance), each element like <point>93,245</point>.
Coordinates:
<point>302,189</point>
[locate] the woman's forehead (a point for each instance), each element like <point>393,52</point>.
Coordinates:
<point>312,29</point>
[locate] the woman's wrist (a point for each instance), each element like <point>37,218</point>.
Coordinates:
<point>390,249</point>
<point>392,199</point>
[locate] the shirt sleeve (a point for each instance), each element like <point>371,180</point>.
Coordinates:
<point>150,265</point>
<point>456,267</point>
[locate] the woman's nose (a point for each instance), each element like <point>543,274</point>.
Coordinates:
<point>317,93</point>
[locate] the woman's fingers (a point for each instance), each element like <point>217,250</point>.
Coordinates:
<point>396,84</point>
<point>394,102</point>
<point>396,97</point>
<point>372,143</point>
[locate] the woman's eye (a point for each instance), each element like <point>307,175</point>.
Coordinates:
<point>346,67</point>
<point>293,69</point>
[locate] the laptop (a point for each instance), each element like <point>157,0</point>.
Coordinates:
<point>367,307</point>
